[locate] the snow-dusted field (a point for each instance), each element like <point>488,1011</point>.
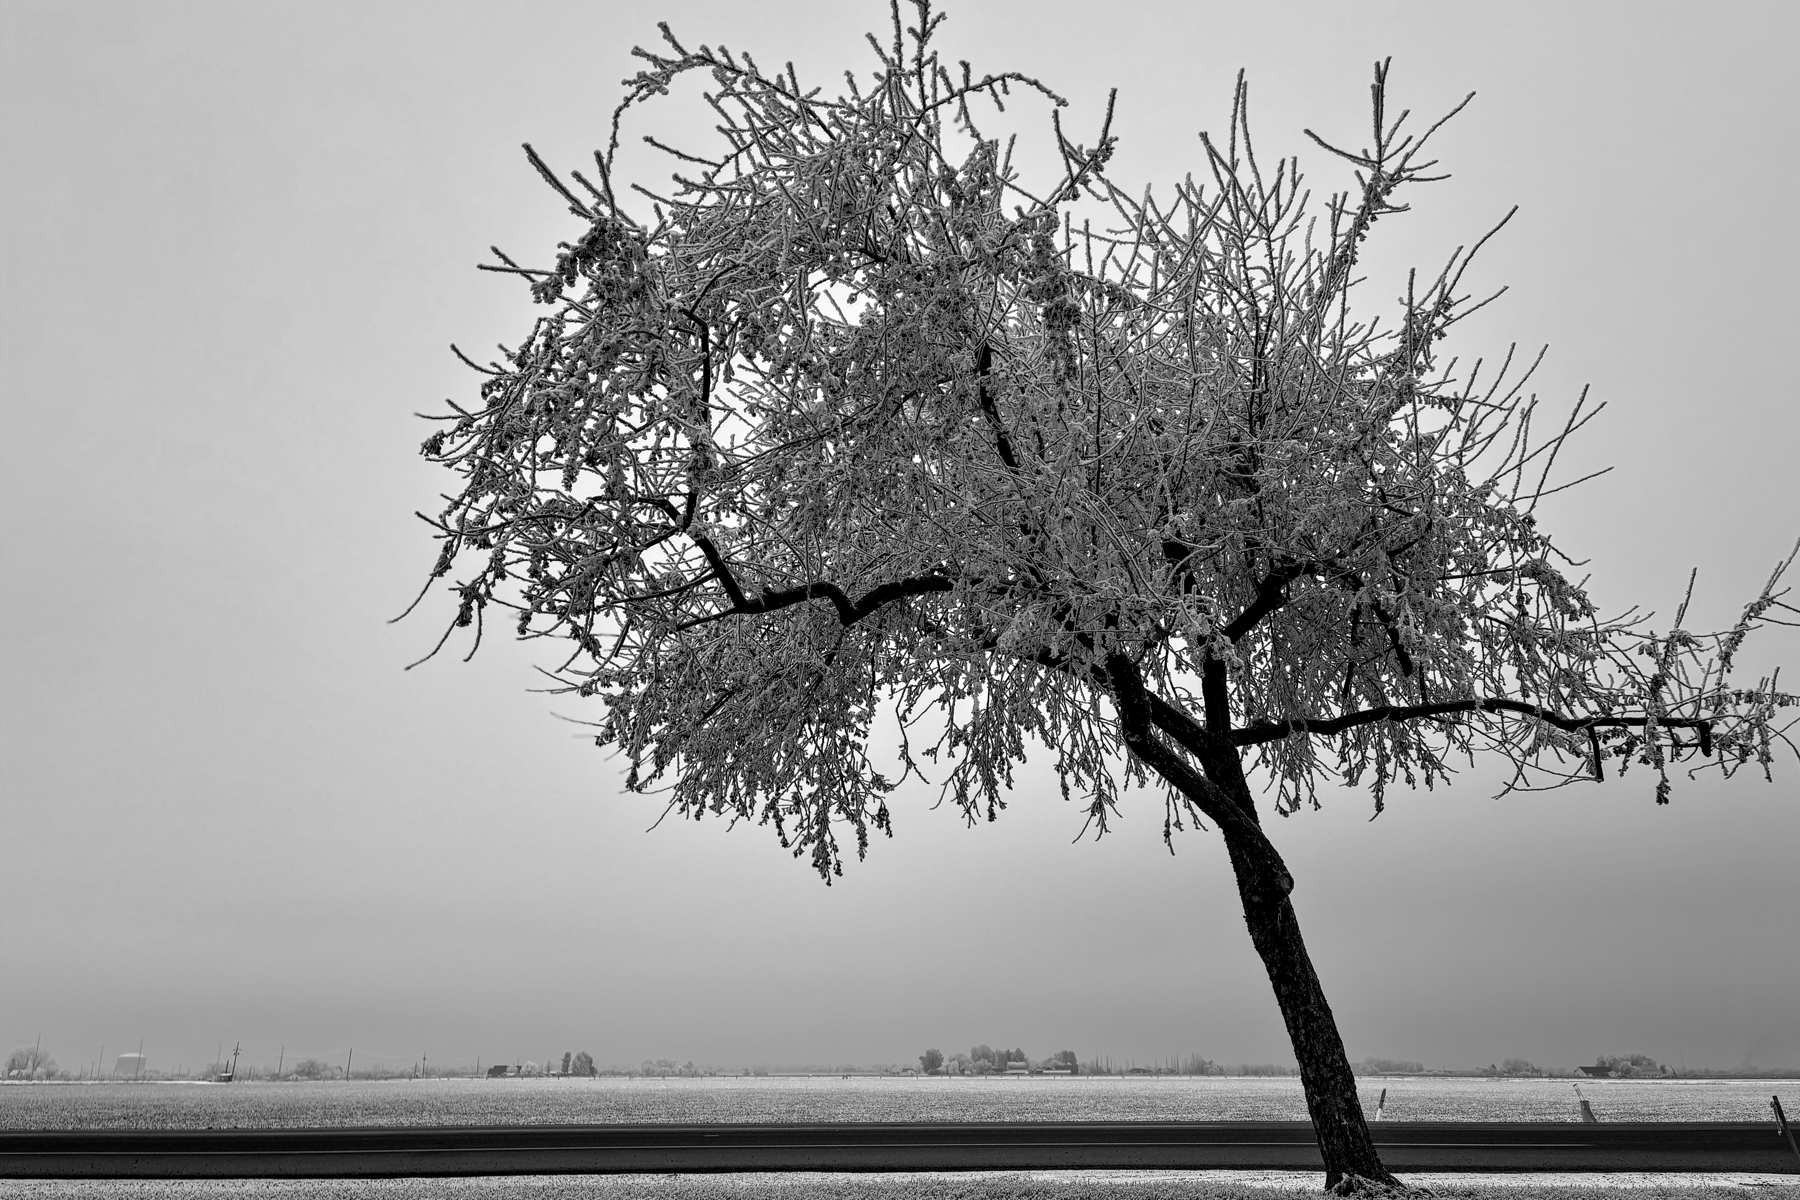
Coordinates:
<point>805,1099</point>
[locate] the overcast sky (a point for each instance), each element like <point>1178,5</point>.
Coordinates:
<point>238,239</point>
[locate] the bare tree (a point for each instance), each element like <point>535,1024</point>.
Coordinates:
<point>856,421</point>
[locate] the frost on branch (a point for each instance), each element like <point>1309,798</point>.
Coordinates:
<point>857,414</point>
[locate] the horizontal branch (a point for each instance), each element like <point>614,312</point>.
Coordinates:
<point>1274,731</point>
<point>849,611</point>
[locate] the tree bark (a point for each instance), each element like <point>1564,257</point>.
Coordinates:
<point>1344,1139</point>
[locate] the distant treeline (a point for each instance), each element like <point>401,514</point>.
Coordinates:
<point>985,1060</point>
<point>36,1064</point>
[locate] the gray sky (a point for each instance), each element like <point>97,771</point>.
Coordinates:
<point>237,241</point>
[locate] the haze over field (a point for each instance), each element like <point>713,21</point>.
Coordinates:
<point>237,241</point>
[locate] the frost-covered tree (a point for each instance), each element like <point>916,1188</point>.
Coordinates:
<point>30,1063</point>
<point>857,420</point>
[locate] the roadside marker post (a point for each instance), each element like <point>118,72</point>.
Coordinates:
<point>1781,1121</point>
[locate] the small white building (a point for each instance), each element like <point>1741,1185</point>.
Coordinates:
<point>130,1066</point>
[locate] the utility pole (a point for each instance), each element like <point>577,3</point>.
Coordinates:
<point>234,1058</point>
<point>279,1059</point>
<point>347,1059</point>
<point>138,1072</point>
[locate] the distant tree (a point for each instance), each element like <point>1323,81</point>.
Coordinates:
<point>583,1064</point>
<point>1064,1059</point>
<point>1518,1066</point>
<point>1629,1065</point>
<point>565,1062</point>
<point>312,1068</point>
<point>858,415</point>
<point>29,1062</point>
<point>931,1060</point>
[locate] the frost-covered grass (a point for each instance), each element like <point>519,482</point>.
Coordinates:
<point>1046,1185</point>
<point>738,1100</point>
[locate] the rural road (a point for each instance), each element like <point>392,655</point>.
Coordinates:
<point>615,1149</point>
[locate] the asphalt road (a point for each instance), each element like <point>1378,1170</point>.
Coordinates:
<point>614,1149</point>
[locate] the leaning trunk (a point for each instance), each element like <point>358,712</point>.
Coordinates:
<point>1331,1100</point>
<point>1223,793</point>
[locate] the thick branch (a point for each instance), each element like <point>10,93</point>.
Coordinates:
<point>1274,731</point>
<point>984,364</point>
<point>1271,594</point>
<point>1214,752</point>
<point>849,611</point>
<point>1137,709</point>
<point>1178,555</point>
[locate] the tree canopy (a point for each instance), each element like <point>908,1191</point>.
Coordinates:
<point>856,414</point>
<point>859,422</point>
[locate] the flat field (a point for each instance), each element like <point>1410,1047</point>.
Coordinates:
<point>801,1099</point>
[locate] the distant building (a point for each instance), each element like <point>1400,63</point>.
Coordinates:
<point>1598,1071</point>
<point>130,1066</point>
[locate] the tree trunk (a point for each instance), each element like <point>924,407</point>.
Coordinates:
<point>1344,1140</point>
<point>1220,790</point>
